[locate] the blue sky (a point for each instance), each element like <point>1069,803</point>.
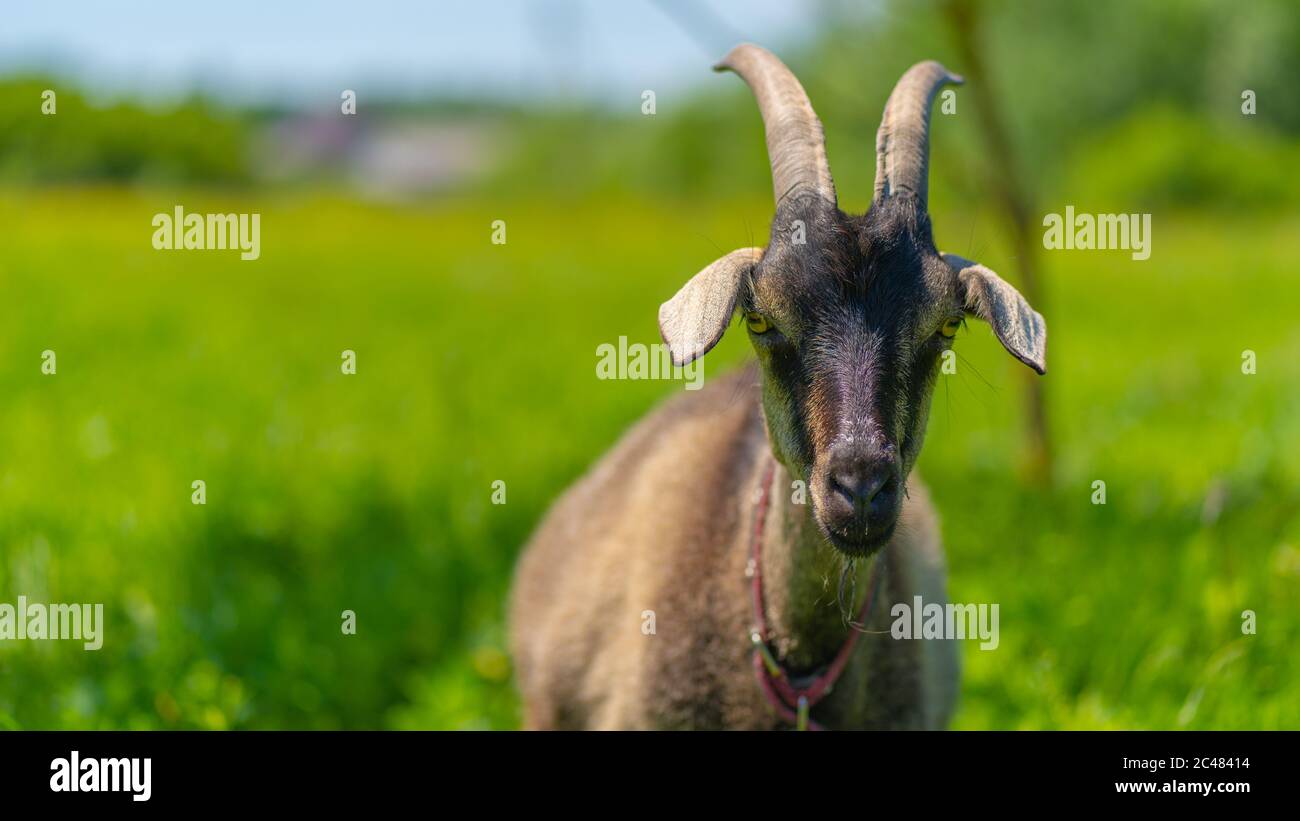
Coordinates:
<point>265,49</point>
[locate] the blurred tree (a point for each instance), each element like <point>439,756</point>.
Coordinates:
<point>1016,202</point>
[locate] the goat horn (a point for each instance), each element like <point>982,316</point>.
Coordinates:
<point>796,145</point>
<point>903,141</point>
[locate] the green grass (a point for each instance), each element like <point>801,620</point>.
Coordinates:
<point>476,363</point>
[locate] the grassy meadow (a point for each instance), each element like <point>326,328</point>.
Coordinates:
<point>476,363</point>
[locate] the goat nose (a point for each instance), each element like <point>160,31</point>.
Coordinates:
<point>867,485</point>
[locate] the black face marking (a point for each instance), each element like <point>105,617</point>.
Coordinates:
<point>850,359</point>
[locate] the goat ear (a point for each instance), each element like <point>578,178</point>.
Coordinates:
<point>693,321</point>
<point>1019,328</point>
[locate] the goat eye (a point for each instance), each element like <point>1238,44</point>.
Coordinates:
<point>757,323</point>
<point>950,327</point>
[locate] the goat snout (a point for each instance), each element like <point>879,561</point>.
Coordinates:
<point>868,487</point>
<point>861,500</point>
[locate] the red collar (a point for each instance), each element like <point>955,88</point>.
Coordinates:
<point>793,701</point>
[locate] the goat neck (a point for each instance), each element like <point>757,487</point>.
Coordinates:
<point>802,575</point>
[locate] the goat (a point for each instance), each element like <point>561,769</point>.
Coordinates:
<point>680,584</point>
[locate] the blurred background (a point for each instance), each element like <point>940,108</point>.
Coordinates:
<point>476,361</point>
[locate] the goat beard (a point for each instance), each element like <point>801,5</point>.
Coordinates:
<point>847,590</point>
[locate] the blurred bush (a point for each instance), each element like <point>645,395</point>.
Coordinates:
<point>1173,159</point>
<point>192,142</point>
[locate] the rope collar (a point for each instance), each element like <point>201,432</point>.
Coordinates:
<point>791,699</point>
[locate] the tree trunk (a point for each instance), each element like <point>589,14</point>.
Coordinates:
<point>1016,205</point>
